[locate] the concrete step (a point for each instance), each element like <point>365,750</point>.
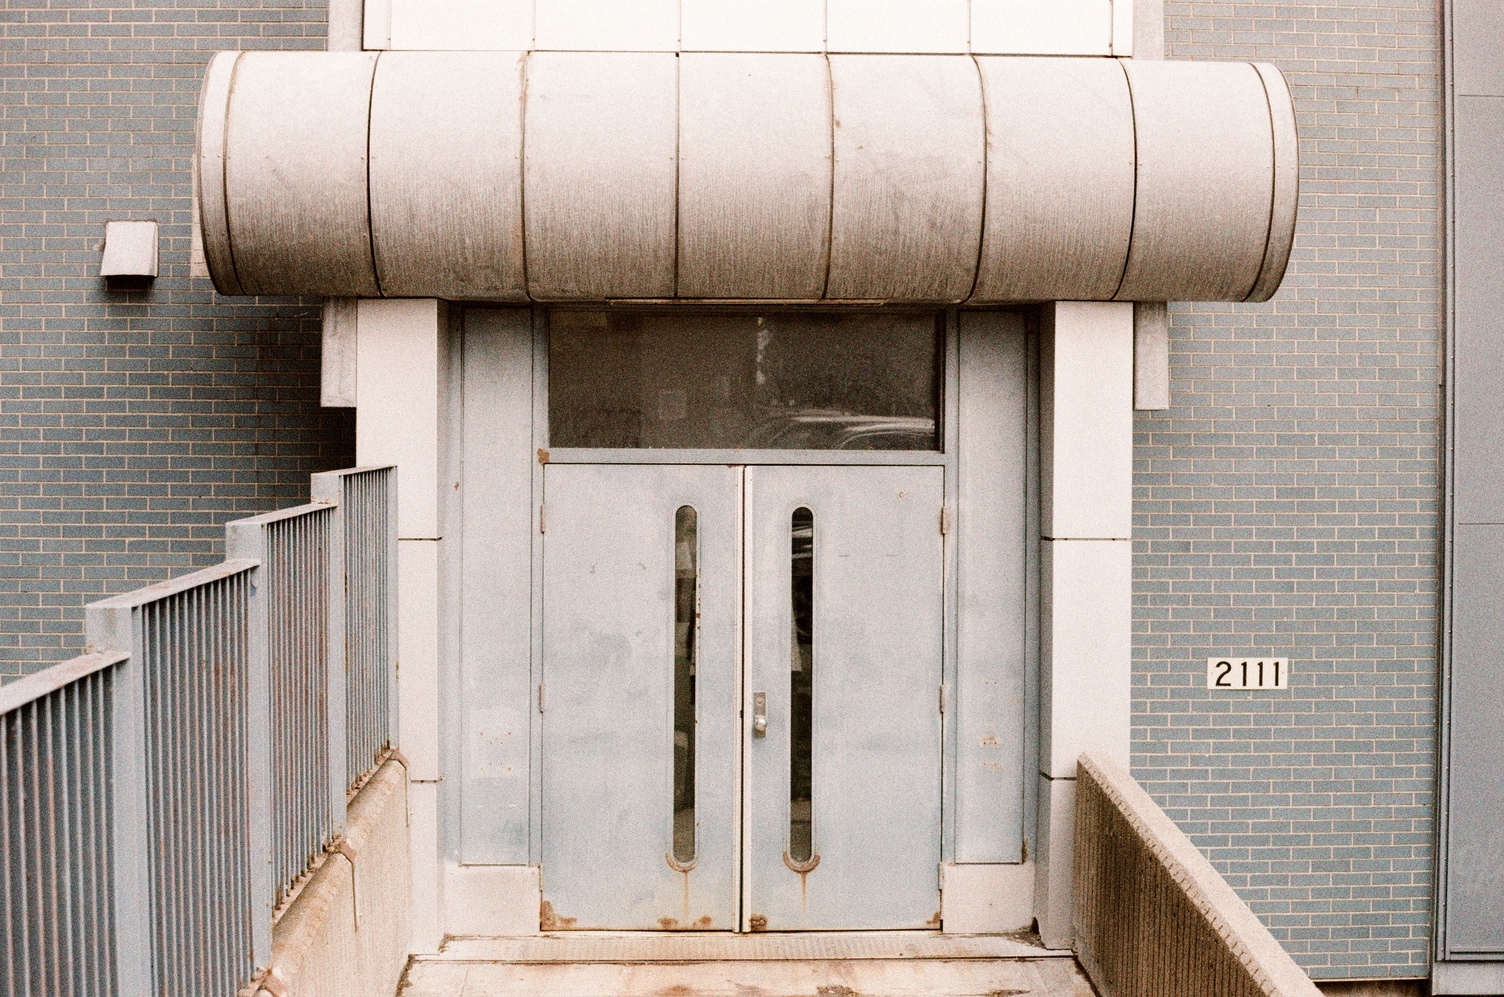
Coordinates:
<point>823,964</point>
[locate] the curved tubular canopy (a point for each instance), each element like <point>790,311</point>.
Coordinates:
<point>564,176</point>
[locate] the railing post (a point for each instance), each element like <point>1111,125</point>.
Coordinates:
<point>248,540</point>
<point>115,628</point>
<point>391,607</point>
<point>328,488</point>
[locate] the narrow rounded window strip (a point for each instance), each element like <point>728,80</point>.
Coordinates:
<point>801,686</point>
<point>686,620</point>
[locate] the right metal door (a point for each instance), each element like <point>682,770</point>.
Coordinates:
<point>844,634</point>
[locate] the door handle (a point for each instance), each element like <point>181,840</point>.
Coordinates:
<point>759,714</point>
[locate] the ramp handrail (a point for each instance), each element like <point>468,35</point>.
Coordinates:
<point>160,795</point>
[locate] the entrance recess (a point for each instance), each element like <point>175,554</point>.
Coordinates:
<point>805,793</point>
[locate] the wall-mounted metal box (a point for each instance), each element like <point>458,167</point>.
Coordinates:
<point>130,249</point>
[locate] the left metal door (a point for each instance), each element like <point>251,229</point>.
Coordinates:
<point>609,621</point>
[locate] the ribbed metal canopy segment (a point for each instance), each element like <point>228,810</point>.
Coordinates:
<point>564,176</point>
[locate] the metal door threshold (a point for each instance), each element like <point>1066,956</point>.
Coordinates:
<point>677,946</point>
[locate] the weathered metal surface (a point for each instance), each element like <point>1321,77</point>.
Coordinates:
<point>907,197</point>
<point>362,616</point>
<point>156,795</point>
<point>189,798</point>
<point>991,538</point>
<point>1058,222</point>
<point>1286,183</point>
<point>650,175</point>
<point>214,222</point>
<point>608,724</point>
<point>295,173</point>
<point>446,175</point>
<point>290,599</point>
<point>496,703</point>
<point>1206,176</point>
<point>877,621</point>
<point>600,172</point>
<point>57,915</point>
<point>754,175</point>
<point>1151,917</point>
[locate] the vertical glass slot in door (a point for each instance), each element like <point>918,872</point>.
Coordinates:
<point>801,687</point>
<point>686,615</point>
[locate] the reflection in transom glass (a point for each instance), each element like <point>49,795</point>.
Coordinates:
<point>781,380</point>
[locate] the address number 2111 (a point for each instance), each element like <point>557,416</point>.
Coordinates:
<point>1247,673</point>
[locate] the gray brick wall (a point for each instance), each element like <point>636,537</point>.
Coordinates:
<point>1288,504</point>
<point>133,422</point>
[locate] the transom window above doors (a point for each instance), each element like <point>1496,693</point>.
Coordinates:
<point>777,380</point>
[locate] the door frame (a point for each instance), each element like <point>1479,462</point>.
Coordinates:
<point>948,457</point>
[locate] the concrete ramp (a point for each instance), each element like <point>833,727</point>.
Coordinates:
<point>834,964</point>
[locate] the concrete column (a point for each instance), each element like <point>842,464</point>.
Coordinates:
<point>1086,590</point>
<point>401,357</point>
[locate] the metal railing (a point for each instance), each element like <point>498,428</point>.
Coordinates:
<point>185,795</point>
<point>55,815</point>
<point>160,796</point>
<point>363,588</point>
<point>1151,916</point>
<point>290,642</point>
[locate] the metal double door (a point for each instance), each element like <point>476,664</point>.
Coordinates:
<point>835,825</point>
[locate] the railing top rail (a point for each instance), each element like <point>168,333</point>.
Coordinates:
<point>49,680</point>
<point>281,514</point>
<point>173,586</point>
<point>328,486</point>
<point>345,472</point>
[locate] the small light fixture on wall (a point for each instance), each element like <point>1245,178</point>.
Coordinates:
<point>130,250</point>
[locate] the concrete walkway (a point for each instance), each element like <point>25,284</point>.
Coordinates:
<point>844,964</point>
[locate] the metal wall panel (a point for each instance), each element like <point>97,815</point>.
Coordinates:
<point>1470,921</point>
<point>906,214</point>
<point>1477,40</point>
<point>295,173</point>
<point>897,26</point>
<point>991,538</point>
<point>607,25</point>
<point>754,176</point>
<point>446,175</point>
<point>1479,337</point>
<point>1474,918</point>
<point>214,223</point>
<point>1205,181</point>
<point>752,25</point>
<point>495,638</point>
<point>600,170</point>
<point>1058,222</point>
<point>1055,27</point>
